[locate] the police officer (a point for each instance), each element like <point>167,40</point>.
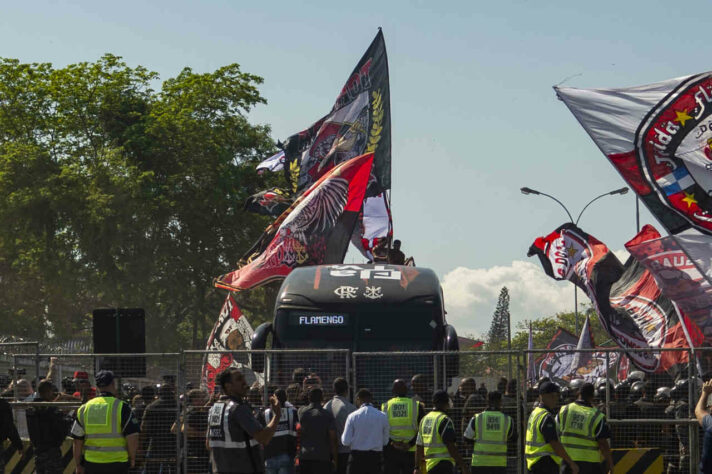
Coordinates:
<point>234,434</point>
<point>436,440</point>
<point>105,431</point>
<point>490,430</point>
<point>404,415</point>
<point>543,450</point>
<point>584,433</point>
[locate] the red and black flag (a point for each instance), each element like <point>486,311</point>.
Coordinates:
<point>359,122</point>
<point>659,138</point>
<point>232,332</point>
<point>629,303</point>
<point>270,202</point>
<point>315,229</point>
<point>563,363</point>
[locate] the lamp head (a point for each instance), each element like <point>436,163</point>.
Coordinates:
<point>526,190</point>
<point>622,190</point>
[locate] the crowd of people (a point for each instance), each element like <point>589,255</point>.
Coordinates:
<point>308,427</point>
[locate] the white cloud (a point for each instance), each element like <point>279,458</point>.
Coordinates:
<point>471,294</point>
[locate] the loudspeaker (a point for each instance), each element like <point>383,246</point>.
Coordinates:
<point>120,331</point>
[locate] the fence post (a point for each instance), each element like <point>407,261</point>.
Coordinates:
<point>435,370</point>
<point>347,374</point>
<point>354,370</point>
<point>37,364</point>
<point>180,385</point>
<point>265,388</point>
<point>608,388</point>
<point>693,432</point>
<point>14,375</point>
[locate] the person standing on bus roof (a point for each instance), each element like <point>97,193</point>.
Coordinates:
<point>436,440</point>
<point>234,434</point>
<point>340,407</point>
<point>490,430</point>
<point>404,415</point>
<point>366,433</point>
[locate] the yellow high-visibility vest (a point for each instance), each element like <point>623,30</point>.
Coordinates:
<point>402,415</point>
<point>103,440</point>
<point>535,447</point>
<point>434,448</point>
<point>577,423</point>
<point>490,448</point>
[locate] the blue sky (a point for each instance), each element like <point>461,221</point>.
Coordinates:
<point>474,117</point>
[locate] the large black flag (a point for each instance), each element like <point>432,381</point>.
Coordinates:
<point>358,123</point>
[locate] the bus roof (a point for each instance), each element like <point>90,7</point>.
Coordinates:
<point>359,284</point>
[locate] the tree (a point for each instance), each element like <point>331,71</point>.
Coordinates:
<point>544,328</point>
<point>499,329</point>
<point>113,194</point>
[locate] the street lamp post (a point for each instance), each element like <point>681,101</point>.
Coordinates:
<point>526,190</point>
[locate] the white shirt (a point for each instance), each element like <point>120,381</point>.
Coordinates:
<point>366,429</point>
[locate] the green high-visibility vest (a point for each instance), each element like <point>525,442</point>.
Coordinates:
<point>577,423</point>
<point>434,449</point>
<point>402,415</point>
<point>535,447</point>
<point>490,448</point>
<point>103,440</point>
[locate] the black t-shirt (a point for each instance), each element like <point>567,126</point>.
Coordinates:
<point>314,433</point>
<point>196,418</point>
<point>548,428</point>
<point>157,422</point>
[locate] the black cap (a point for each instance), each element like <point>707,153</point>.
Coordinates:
<point>104,378</point>
<point>441,396</point>
<point>548,387</point>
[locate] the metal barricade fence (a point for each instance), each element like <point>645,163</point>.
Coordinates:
<point>149,383</point>
<point>653,419</point>
<point>467,376</point>
<point>293,370</point>
<point>169,393</point>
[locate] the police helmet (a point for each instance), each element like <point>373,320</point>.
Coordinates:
<point>622,389</point>
<point>601,388</point>
<point>680,390</point>
<point>566,393</point>
<point>575,385</point>
<point>636,390</point>
<point>636,375</point>
<point>662,395</point>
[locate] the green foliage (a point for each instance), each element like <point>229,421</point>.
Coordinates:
<point>543,329</point>
<point>113,194</point>
<point>499,329</point>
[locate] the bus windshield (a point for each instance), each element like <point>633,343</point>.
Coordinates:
<point>400,328</point>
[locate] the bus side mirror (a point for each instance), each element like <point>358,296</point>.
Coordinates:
<point>452,344</point>
<point>259,342</point>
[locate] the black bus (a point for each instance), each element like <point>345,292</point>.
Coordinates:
<point>362,308</point>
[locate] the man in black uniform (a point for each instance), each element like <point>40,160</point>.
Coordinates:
<point>282,449</point>
<point>47,427</point>
<point>8,430</point>
<point>234,434</point>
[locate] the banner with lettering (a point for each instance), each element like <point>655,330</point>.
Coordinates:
<point>659,138</point>
<point>630,305</point>
<point>678,278</point>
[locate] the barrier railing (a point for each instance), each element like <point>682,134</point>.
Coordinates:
<point>169,394</point>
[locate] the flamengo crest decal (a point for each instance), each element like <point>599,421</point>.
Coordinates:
<point>674,148</point>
